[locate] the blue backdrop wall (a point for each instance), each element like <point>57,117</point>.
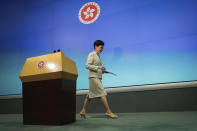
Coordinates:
<point>146,41</point>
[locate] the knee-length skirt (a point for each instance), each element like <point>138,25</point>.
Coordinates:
<point>96,88</point>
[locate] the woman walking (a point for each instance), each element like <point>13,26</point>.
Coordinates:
<point>94,64</point>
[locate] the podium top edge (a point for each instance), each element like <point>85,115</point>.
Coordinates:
<point>46,54</point>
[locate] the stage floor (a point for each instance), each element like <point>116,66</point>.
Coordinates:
<point>146,121</point>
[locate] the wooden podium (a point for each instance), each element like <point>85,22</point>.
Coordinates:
<point>49,90</point>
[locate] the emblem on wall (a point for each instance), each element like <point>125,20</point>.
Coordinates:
<point>89,13</point>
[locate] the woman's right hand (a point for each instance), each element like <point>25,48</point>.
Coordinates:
<point>102,68</point>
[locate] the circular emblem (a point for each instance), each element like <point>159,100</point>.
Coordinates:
<point>89,12</point>
<point>40,64</point>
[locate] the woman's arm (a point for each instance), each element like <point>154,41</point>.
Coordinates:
<point>89,63</point>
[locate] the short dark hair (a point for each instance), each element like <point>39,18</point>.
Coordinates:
<point>98,42</point>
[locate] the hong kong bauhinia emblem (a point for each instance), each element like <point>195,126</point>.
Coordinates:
<point>40,64</point>
<point>89,13</point>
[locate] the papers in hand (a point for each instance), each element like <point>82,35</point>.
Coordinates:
<point>109,72</point>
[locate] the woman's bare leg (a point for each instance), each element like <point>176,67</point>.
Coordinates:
<point>104,100</point>
<point>85,105</point>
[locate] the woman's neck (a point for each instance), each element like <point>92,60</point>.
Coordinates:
<point>96,52</point>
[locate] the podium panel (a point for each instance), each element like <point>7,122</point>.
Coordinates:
<point>49,90</point>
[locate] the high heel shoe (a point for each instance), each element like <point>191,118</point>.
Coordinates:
<point>84,115</point>
<point>111,115</point>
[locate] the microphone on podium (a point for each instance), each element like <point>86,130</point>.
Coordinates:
<point>56,51</point>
